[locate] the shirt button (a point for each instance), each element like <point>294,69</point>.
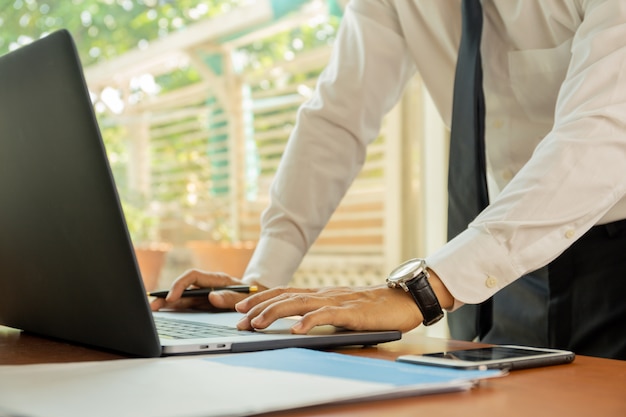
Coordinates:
<point>491,282</point>
<point>497,124</point>
<point>570,233</point>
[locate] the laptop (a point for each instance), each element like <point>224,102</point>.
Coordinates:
<point>67,265</point>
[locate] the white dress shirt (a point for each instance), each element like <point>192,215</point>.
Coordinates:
<point>555,93</point>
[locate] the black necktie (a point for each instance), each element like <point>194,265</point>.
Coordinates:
<point>467,182</point>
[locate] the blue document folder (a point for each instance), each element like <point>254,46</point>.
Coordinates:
<point>337,365</point>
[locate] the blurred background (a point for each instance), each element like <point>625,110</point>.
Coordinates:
<point>196,101</point>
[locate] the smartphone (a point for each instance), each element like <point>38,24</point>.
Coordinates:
<point>494,357</point>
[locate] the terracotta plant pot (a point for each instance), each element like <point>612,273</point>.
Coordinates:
<point>151,260</point>
<point>231,258</point>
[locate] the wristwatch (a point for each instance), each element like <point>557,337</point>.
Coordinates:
<point>412,276</point>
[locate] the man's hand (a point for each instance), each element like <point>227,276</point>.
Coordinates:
<point>195,278</point>
<point>366,308</point>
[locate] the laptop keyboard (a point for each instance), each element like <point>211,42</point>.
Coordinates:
<point>169,328</point>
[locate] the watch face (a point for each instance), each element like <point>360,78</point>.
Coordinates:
<point>405,269</point>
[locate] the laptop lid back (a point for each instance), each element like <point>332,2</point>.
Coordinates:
<point>67,266</point>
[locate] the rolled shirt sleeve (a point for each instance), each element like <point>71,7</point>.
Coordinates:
<point>364,79</point>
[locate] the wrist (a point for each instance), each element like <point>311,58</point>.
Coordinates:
<point>412,276</point>
<point>446,300</point>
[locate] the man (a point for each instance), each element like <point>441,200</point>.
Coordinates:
<point>550,246</point>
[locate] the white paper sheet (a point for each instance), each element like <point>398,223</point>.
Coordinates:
<point>168,387</point>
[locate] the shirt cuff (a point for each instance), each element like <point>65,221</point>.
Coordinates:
<point>273,263</point>
<point>473,266</point>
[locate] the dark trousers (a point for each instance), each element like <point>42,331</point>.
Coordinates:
<point>577,302</point>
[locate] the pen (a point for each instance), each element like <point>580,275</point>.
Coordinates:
<point>203,292</point>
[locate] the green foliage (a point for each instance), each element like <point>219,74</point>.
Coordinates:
<point>177,79</point>
<point>142,225</point>
<point>102,28</point>
<point>265,53</point>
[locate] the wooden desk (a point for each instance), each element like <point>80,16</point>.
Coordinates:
<point>587,387</point>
